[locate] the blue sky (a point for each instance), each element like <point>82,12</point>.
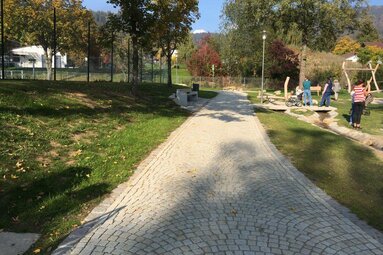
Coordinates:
<point>210,12</point>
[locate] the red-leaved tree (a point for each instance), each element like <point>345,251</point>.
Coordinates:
<point>202,60</point>
<point>282,61</point>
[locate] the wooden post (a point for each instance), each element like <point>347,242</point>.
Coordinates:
<point>348,78</point>
<point>373,78</point>
<point>286,86</point>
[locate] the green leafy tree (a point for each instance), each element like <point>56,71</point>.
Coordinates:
<point>367,29</point>
<point>186,49</point>
<point>172,27</point>
<point>319,23</point>
<point>136,18</point>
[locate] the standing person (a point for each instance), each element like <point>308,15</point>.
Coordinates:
<point>326,94</point>
<point>336,89</point>
<point>352,107</point>
<point>359,98</point>
<point>307,92</point>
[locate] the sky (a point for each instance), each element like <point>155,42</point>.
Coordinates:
<point>210,11</point>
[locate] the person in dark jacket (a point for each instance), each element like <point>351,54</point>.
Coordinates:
<point>326,94</point>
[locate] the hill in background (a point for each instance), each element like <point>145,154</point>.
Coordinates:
<point>377,13</point>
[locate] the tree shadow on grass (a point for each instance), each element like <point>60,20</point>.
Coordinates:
<point>348,171</point>
<point>152,99</point>
<point>32,204</point>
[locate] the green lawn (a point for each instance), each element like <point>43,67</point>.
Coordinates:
<point>345,170</point>
<point>64,146</point>
<point>372,124</point>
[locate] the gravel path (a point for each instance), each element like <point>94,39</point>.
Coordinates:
<point>218,186</point>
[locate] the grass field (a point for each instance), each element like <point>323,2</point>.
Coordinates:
<point>64,146</point>
<point>347,171</point>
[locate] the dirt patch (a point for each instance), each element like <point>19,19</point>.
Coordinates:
<point>85,137</point>
<point>84,99</point>
<point>55,144</point>
<point>44,161</point>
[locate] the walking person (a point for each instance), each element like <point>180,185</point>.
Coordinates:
<point>307,92</point>
<point>360,94</point>
<point>326,94</point>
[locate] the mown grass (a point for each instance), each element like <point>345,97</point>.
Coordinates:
<point>64,146</point>
<point>347,171</point>
<point>372,124</point>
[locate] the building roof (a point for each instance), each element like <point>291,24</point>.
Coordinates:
<point>376,44</point>
<point>33,51</point>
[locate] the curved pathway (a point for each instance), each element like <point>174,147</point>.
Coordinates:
<point>218,186</point>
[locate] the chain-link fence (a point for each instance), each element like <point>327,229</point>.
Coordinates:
<point>80,51</point>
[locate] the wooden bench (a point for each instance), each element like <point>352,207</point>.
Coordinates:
<point>317,89</point>
<point>186,95</point>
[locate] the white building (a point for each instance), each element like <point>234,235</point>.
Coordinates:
<point>25,56</point>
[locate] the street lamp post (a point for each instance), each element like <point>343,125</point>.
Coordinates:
<point>176,69</point>
<point>263,63</point>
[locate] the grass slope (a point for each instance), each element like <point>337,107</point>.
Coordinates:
<point>350,173</point>
<point>64,146</point>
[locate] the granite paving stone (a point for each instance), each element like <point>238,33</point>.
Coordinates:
<point>218,185</point>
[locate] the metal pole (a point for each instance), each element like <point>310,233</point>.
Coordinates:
<point>88,71</point>
<point>160,69</point>
<point>128,60</point>
<point>152,68</point>
<point>112,59</point>
<point>263,63</point>
<point>177,69</point>
<point>2,42</point>
<point>54,43</point>
<point>142,64</point>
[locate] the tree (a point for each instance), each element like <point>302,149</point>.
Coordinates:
<point>136,17</point>
<point>203,59</point>
<point>345,45</point>
<point>282,61</point>
<point>186,49</point>
<point>319,23</point>
<point>370,53</point>
<point>173,24</point>
<point>367,30</point>
<point>31,22</point>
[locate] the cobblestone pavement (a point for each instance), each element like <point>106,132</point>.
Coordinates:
<point>218,186</point>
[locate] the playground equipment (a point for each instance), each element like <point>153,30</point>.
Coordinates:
<point>370,69</point>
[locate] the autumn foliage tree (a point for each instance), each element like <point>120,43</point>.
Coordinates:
<point>284,61</point>
<point>31,22</point>
<point>203,59</point>
<point>172,27</point>
<point>345,45</point>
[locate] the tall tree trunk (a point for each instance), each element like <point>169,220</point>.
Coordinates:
<point>48,60</point>
<point>302,65</point>
<point>169,59</point>
<point>135,80</point>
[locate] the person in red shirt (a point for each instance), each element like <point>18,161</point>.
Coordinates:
<point>360,94</point>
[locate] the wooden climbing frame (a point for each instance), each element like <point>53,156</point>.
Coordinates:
<point>370,69</point>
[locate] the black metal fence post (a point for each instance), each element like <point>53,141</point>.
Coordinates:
<point>142,64</point>
<point>88,67</point>
<point>152,68</point>
<point>2,42</point>
<point>112,59</point>
<point>128,60</point>
<point>54,43</point>
<point>160,68</point>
